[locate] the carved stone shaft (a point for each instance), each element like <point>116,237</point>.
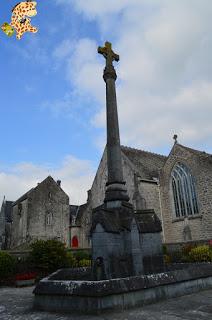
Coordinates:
<point>115,190</point>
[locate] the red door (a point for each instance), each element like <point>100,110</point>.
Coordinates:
<point>75,242</point>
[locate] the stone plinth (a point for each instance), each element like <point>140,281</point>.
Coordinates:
<point>127,243</point>
<point>115,241</point>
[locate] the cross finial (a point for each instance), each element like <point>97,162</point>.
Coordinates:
<point>108,53</point>
<point>175,138</point>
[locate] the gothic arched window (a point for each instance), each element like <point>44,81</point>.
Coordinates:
<point>184,191</point>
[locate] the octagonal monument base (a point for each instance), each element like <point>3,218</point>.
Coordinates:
<point>94,297</point>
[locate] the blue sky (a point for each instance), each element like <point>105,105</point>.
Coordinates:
<point>30,79</point>
<point>52,96</point>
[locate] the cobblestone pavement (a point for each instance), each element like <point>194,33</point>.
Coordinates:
<point>16,304</point>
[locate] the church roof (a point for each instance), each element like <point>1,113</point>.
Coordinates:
<point>23,197</point>
<point>77,212</point>
<point>197,152</point>
<point>147,163</point>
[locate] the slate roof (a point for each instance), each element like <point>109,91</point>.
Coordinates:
<point>146,163</point>
<point>72,212</point>
<point>23,197</point>
<point>78,212</point>
<point>197,152</point>
<point>73,209</point>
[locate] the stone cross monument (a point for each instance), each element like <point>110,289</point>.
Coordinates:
<point>115,191</point>
<point>122,243</point>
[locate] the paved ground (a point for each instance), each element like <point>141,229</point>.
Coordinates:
<point>16,304</point>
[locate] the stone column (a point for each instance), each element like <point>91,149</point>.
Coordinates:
<point>115,187</point>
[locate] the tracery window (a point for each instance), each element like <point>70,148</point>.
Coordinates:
<point>184,191</point>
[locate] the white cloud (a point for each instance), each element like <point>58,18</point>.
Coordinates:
<point>64,49</point>
<point>165,71</point>
<point>84,73</point>
<point>76,176</point>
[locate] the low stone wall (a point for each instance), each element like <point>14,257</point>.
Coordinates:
<point>98,296</point>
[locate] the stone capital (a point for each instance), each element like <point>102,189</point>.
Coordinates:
<point>109,73</point>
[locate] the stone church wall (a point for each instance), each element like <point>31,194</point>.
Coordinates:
<point>199,225</point>
<point>150,192</point>
<point>49,199</point>
<point>30,223</point>
<point>98,187</point>
<point>19,225</point>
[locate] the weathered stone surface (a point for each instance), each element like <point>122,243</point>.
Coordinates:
<point>16,304</point>
<point>115,187</point>
<point>121,285</point>
<point>30,215</point>
<point>114,241</point>
<point>200,225</point>
<point>148,189</point>
<point>96,296</point>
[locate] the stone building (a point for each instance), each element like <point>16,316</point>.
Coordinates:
<point>177,187</point>
<point>186,195</point>
<point>5,223</point>
<point>41,213</point>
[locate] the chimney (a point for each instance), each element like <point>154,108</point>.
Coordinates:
<point>59,183</point>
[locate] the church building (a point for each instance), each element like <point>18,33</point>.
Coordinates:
<point>178,187</point>
<point>41,213</point>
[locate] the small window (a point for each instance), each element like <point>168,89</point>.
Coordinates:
<point>49,195</point>
<point>49,219</point>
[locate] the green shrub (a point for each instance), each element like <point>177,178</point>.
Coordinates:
<point>85,263</point>
<point>201,254</point>
<point>7,265</point>
<point>48,255</point>
<point>81,254</point>
<point>167,259</point>
<point>71,260</point>
<point>186,249</point>
<point>165,250</point>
